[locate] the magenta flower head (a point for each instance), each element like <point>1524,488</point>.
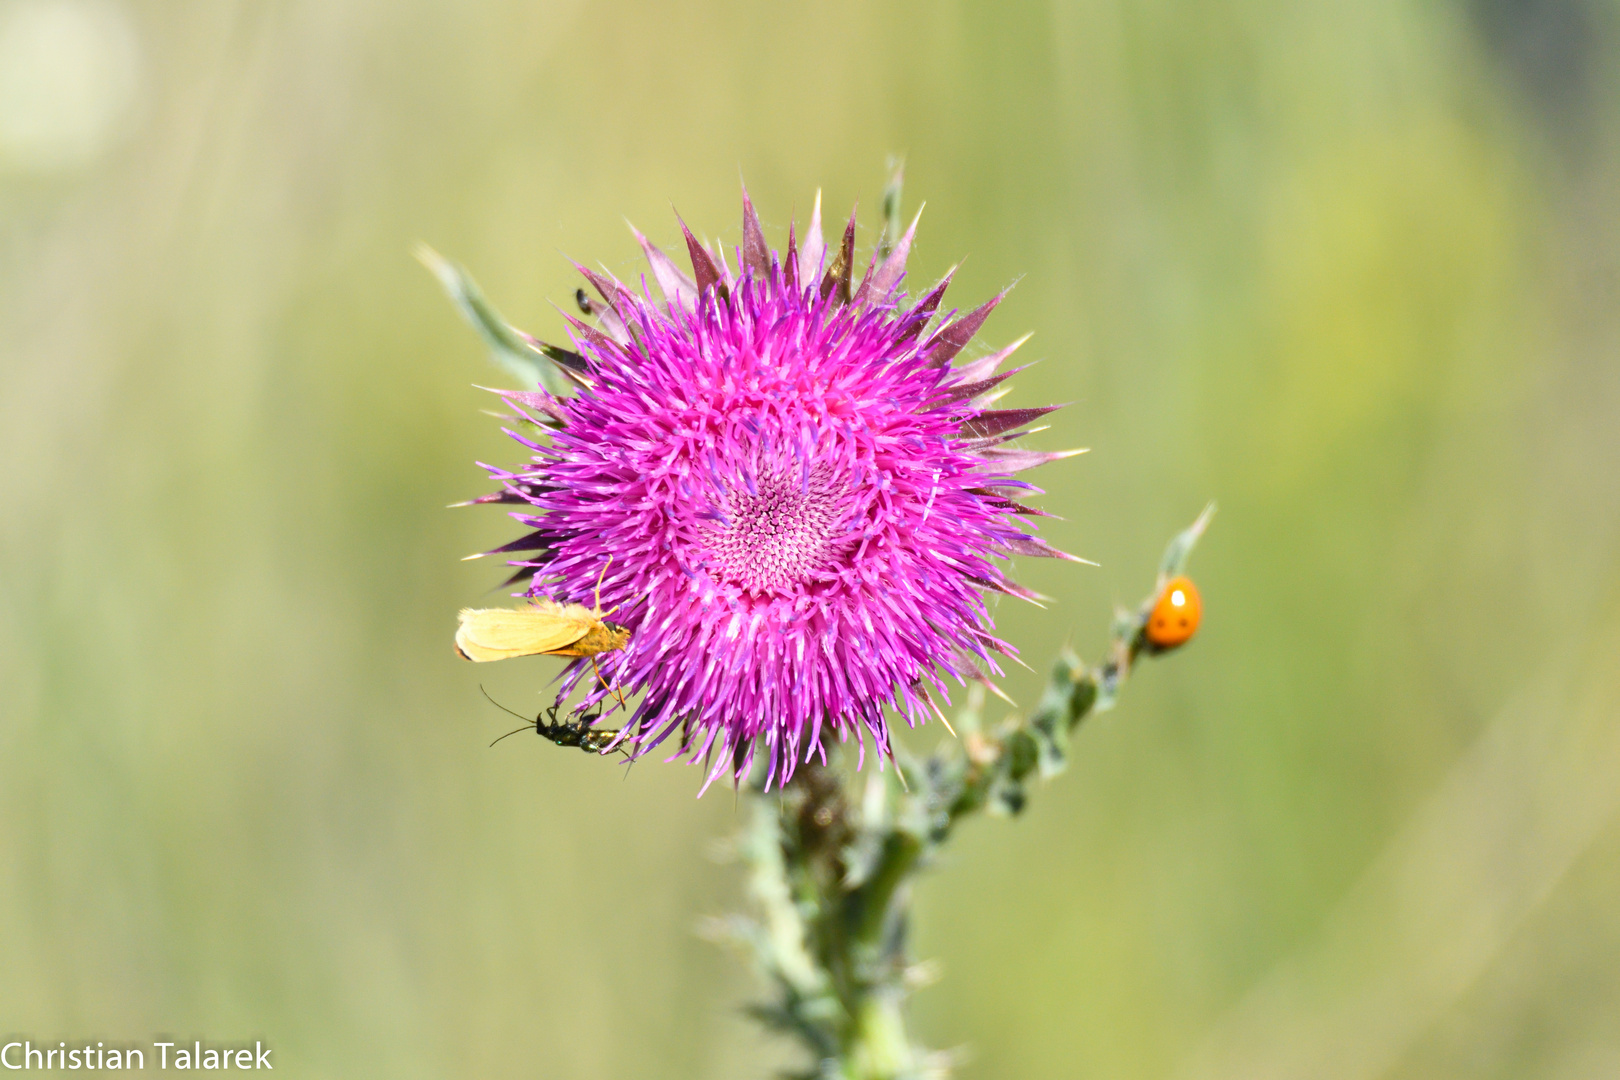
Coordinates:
<point>789,491</point>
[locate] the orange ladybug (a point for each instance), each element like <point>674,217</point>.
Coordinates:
<point>1174,618</point>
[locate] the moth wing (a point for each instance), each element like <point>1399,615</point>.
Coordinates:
<point>502,633</point>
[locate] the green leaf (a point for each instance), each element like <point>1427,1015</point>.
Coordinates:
<point>892,225</point>
<point>508,348</point>
<point>1175,556</point>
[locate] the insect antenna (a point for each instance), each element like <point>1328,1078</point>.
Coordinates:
<point>535,723</point>
<point>514,731</point>
<point>503,708</point>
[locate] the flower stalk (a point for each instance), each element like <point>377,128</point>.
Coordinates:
<point>830,873</point>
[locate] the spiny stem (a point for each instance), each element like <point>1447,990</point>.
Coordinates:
<point>831,874</point>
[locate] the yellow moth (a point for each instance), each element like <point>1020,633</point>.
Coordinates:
<point>544,628</point>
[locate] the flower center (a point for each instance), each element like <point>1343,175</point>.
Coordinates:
<point>778,534</point>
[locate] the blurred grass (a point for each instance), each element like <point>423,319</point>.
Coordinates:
<point>1351,270</point>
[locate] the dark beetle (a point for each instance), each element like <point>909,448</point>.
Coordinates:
<point>571,732</point>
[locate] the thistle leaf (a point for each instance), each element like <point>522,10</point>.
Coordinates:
<point>509,348</point>
<point>1175,555</point>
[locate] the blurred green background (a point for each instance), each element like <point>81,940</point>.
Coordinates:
<point>1350,269</point>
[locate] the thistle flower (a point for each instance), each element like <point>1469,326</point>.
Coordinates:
<point>785,487</point>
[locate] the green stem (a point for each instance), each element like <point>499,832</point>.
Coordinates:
<point>878,1048</point>
<point>870,905</point>
<point>831,874</point>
